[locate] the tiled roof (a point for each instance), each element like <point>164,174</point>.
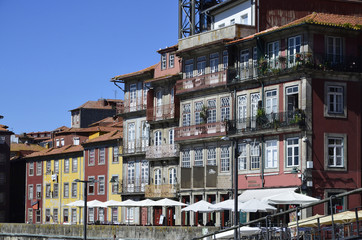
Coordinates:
<point>109,121</point>
<point>100,104</point>
<point>116,134</point>
<point>324,19</point>
<point>15,147</point>
<point>56,151</point>
<point>168,49</point>
<point>87,130</point>
<point>128,75</point>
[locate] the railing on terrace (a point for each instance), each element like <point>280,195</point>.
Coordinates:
<point>267,121</point>
<point>131,187</point>
<point>162,112</point>
<point>163,151</point>
<point>126,108</point>
<point>201,82</point>
<point>136,146</point>
<point>161,191</point>
<point>269,67</point>
<point>202,130</point>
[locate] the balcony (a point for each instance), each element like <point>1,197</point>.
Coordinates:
<point>163,112</point>
<point>133,188</point>
<point>137,146</point>
<point>265,122</point>
<point>201,82</point>
<point>300,61</point>
<point>200,131</point>
<point>163,151</point>
<point>128,108</point>
<point>161,191</point>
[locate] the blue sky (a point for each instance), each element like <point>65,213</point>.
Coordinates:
<point>57,54</point>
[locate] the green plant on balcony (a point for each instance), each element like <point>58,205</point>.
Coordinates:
<point>204,114</point>
<point>263,65</point>
<point>282,60</point>
<point>298,117</point>
<point>261,118</point>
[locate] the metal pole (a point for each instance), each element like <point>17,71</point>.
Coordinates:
<point>85,210</point>
<point>331,207</point>
<point>236,212</point>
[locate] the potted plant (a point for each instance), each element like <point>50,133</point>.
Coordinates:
<point>261,117</point>
<point>204,114</point>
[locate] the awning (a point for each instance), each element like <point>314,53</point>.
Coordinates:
<point>262,194</point>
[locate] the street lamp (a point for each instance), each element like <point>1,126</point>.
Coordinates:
<point>85,203</point>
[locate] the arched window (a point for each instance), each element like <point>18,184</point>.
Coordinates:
<point>157,176</point>
<point>172,176</point>
<point>158,138</point>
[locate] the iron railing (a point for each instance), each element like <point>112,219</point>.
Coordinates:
<point>127,108</point>
<point>201,130</point>
<point>136,146</point>
<point>162,151</point>
<point>161,191</point>
<point>162,112</point>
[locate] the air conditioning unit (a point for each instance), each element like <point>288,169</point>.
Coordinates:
<point>54,177</point>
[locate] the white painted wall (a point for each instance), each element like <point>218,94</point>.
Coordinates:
<point>235,13</point>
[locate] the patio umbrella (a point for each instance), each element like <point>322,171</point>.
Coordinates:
<point>306,222</point>
<point>290,198</point>
<point>255,205</point>
<point>113,203</point>
<point>224,205</point>
<point>96,203</point>
<point>144,203</point>
<point>168,202</point>
<point>79,203</point>
<point>200,206</point>
<point>127,203</point>
<point>243,232</point>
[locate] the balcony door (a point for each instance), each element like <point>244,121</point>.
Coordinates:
<point>145,135</point>
<point>242,112</point>
<point>144,174</point>
<point>159,104</point>
<point>244,64</point>
<point>131,137</point>
<point>255,97</point>
<point>133,97</point>
<point>131,176</point>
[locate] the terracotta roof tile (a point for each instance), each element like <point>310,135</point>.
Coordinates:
<point>56,151</point>
<point>128,75</point>
<point>116,134</point>
<point>14,147</point>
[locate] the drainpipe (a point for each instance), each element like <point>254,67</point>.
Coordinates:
<point>257,9</point>
<point>262,138</point>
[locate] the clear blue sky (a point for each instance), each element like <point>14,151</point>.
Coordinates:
<point>57,54</point>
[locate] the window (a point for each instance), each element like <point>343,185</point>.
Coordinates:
<point>254,156</point>
<point>101,185</point>
<point>115,154</point>
<point>292,152</point>
<point>74,164</point>
<point>31,169</point>
<point>74,216</point>
<point>225,108</point>
<point>47,215</point>
<point>101,214</point>
<point>131,166</point>
<point>158,138</point>
<point>62,141</point>
<point>172,176</point>
<point>115,184</point>
<point>146,86</point>
<point>38,216</point>
<point>244,64</point>
<point>163,61</point>
<point>273,54</point>
<point>242,111</point>
<point>39,168</point>
<point>74,190</point>
<point>186,115</point>
<point>131,137</point>
<point>214,62</point>
<point>225,159</point>
<point>171,60</point>
<point>66,165</point>
<point>211,156</point>
<point>144,172</point>
<point>244,19</point>
<point>48,167</point>
<point>158,176</point>
<point>55,215</point>
<point>55,190</point>
<point>56,166</point>
<point>338,204</point>
<point>91,215</point>
<point>335,99</point>
<point>30,215</point>
<point>38,191</point>
<point>66,190</point>
<point>91,158</point>
<point>47,190</point>
<point>211,111</point>
<point>334,50</point>
<point>199,161</point>
<point>57,143</point>
<point>255,97</point>
<point>91,186</point>
<point>294,45</point>
<point>30,192</point>
<point>271,154</point>
<point>201,65</point>
<point>189,68</point>
<point>242,156</point>
<point>130,214</point>
<point>255,62</point>
<point>335,152</point>
<point>171,135</point>
<point>65,215</point>
<point>292,99</point>
<point>172,97</point>
<point>76,141</point>
<point>271,105</point>
<point>133,96</point>
<point>114,215</point>
<point>102,156</point>
<point>225,59</point>
<point>186,163</point>
<point>221,25</point>
<point>198,109</point>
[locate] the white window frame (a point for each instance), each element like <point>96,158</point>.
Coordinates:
<point>76,141</point>
<point>214,62</point>
<point>294,47</point>
<point>158,138</point>
<point>101,185</point>
<point>91,157</point>
<point>186,158</point>
<point>55,190</point>
<point>242,149</point>
<point>163,61</point>
<point>273,50</point>
<point>74,189</point>
<point>47,215</point>
<point>66,165</point>
<point>292,152</point>
<point>211,111</point>
<point>254,156</point>
<point>55,215</point>
<point>31,168</point>
<point>30,192</point>
<point>201,65</point>
<point>48,166</point>
<point>74,164</point>
<point>334,49</point>
<point>211,156</point>
<point>158,176</point>
<point>225,158</point>
<point>74,215</point>
<point>171,60</point>
<point>225,108</point>
<point>66,190</point>
<point>91,185</point>
<point>172,173</point>
<point>198,157</point>
<point>115,152</point>
<point>39,168</point>
<point>56,166</point>
<point>271,153</point>
<point>197,112</point>
<point>341,148</point>
<point>186,115</point>
<point>102,156</point>
<point>189,68</point>
<point>115,184</point>
<point>171,135</point>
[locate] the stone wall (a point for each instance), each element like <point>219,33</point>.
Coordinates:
<point>12,231</point>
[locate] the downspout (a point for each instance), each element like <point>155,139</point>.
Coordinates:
<point>258,18</point>
<point>262,138</point>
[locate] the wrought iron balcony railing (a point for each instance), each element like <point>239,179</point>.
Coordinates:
<point>135,146</point>
<point>201,82</point>
<point>162,112</point>
<point>163,151</point>
<point>199,131</point>
<point>266,121</point>
<point>127,108</point>
<point>161,191</point>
